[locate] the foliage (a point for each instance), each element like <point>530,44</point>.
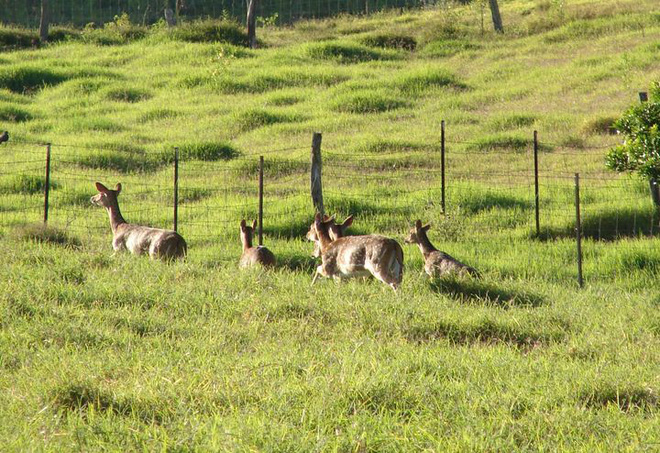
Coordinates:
<point>640,153</point>
<point>227,31</point>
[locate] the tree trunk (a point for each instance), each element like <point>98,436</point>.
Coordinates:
<point>655,192</point>
<point>252,23</point>
<point>45,21</point>
<point>497,19</point>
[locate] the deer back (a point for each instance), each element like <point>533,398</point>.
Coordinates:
<point>258,255</point>
<point>158,243</point>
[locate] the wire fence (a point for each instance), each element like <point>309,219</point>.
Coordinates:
<point>145,12</point>
<point>474,197</point>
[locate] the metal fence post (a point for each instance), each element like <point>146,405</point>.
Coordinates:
<point>261,200</point>
<point>536,184</point>
<point>578,229</point>
<point>47,187</point>
<point>442,165</point>
<point>176,187</point>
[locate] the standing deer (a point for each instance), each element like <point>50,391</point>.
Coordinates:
<point>356,256</point>
<point>164,244</point>
<point>436,263</point>
<point>253,255</point>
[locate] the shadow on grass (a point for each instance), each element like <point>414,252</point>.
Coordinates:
<point>609,225</point>
<point>488,201</point>
<point>469,290</point>
<point>299,263</point>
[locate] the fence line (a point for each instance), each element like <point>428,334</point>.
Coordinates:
<point>532,196</point>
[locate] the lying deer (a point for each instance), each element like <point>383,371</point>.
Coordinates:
<point>436,263</point>
<point>356,256</point>
<point>336,230</point>
<point>253,255</point>
<point>164,244</point>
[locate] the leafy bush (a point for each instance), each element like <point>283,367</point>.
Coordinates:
<point>211,31</point>
<point>640,125</point>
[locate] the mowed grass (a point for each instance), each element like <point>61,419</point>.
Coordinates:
<point>117,352</point>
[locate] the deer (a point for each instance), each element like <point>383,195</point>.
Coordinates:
<point>356,256</point>
<point>166,245</point>
<point>336,231</point>
<point>436,262</point>
<point>251,256</point>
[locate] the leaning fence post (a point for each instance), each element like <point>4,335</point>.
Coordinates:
<point>578,229</point>
<point>261,200</point>
<point>176,187</point>
<point>47,187</point>
<point>316,187</point>
<point>442,166</point>
<point>536,184</point>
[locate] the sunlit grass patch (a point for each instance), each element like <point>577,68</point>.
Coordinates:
<point>130,95</point>
<point>367,102</point>
<point>121,162</point>
<point>420,80</point>
<point>255,118</point>
<point>390,41</point>
<point>505,122</point>
<point>504,142</point>
<point>208,151</point>
<point>210,31</point>
<point>347,52</point>
<point>47,234</point>
<point>14,114</point>
<point>159,114</point>
<point>28,79</point>
<point>26,184</point>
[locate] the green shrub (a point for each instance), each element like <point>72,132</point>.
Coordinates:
<point>120,31</point>
<point>211,31</point>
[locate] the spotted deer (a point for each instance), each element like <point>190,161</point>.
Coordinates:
<point>436,263</point>
<point>137,239</point>
<point>356,256</point>
<point>336,231</point>
<point>251,256</point>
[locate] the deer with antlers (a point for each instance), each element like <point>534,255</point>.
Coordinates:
<point>166,245</point>
<point>253,255</point>
<point>436,262</point>
<point>356,256</point>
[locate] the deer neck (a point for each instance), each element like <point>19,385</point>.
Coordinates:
<point>425,244</point>
<point>116,218</point>
<point>246,240</point>
<point>324,241</point>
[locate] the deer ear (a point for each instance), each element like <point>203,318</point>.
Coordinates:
<point>317,216</point>
<point>118,187</point>
<point>254,225</point>
<point>243,223</point>
<point>418,224</point>
<point>426,227</point>
<point>100,187</point>
<point>348,222</point>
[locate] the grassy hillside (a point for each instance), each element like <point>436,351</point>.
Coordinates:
<point>103,352</point>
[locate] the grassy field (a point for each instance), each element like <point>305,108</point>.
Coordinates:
<point>101,352</point>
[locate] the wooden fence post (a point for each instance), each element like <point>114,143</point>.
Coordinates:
<point>643,96</point>
<point>316,186</point>
<point>47,187</point>
<point>578,229</point>
<point>261,200</point>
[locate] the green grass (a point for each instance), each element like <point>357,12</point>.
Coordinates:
<point>103,351</point>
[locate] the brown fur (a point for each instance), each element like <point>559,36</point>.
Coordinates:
<point>355,256</point>
<point>436,262</point>
<point>251,256</point>
<point>158,243</point>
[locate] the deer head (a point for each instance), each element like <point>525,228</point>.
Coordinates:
<point>106,198</point>
<point>417,233</point>
<point>247,233</point>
